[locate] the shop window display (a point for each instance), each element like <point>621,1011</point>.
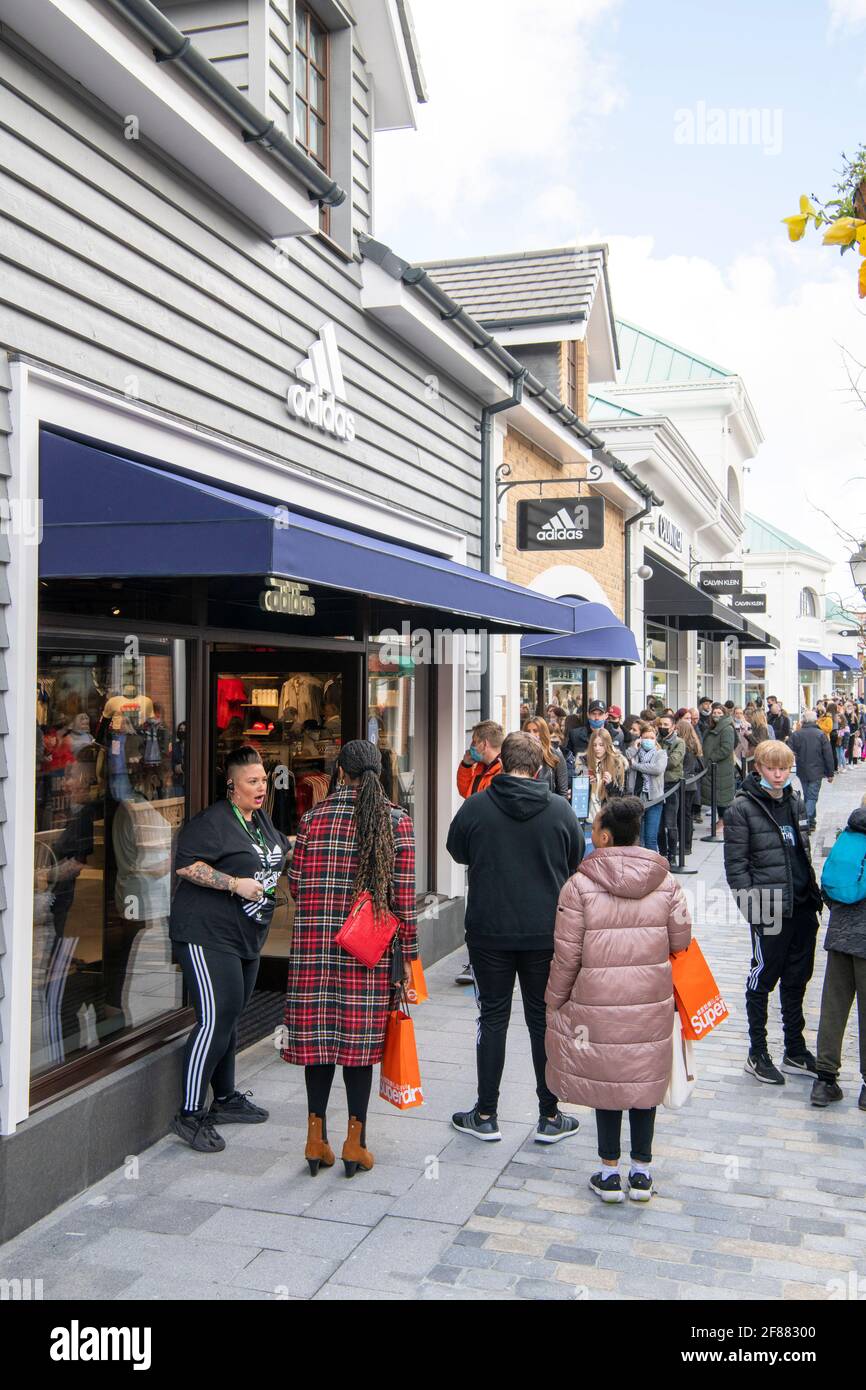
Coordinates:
<point>397,724</point>
<point>110,799</point>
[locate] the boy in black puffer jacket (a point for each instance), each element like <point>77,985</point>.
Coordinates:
<point>769,868</point>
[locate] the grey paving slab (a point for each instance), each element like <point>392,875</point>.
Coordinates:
<point>396,1254</point>
<point>229,1228</point>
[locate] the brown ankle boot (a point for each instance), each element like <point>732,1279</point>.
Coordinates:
<point>318,1150</point>
<point>354,1155</point>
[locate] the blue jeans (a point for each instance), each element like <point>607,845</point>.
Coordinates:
<point>649,827</point>
<point>810,796</point>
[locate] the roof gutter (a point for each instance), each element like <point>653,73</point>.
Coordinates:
<point>170,45</point>
<point>418,278</point>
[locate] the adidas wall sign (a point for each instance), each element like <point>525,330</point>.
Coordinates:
<point>574,523</point>
<point>317,394</point>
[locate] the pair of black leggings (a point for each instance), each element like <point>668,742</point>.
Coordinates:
<point>609,1126</point>
<point>359,1081</point>
<point>219,985</point>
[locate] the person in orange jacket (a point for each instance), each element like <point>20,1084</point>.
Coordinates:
<point>481,761</point>
<point>480,764</point>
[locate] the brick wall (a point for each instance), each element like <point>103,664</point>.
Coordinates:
<point>522,567</point>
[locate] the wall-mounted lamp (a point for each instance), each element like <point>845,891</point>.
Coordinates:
<point>644,572</point>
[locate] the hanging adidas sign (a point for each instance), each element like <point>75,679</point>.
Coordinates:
<point>319,388</point>
<point>575,523</point>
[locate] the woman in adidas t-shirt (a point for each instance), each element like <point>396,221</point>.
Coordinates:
<point>229,859</point>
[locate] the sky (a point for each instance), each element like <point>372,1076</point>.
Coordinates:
<point>566,121</point>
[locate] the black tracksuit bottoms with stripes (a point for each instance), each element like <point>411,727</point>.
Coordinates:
<point>219,985</point>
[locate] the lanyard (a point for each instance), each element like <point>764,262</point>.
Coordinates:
<point>255,833</point>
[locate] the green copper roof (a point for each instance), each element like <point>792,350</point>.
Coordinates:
<point>648,359</point>
<point>763,535</point>
<point>601,409</point>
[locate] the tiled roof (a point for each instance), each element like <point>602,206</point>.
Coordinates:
<point>762,535</point>
<point>647,359</point>
<point>524,287</point>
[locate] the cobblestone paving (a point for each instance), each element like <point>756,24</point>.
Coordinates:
<point>759,1196</point>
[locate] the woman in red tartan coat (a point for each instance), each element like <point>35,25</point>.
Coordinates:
<point>337,1008</point>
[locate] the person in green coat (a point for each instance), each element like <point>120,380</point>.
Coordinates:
<point>720,740</point>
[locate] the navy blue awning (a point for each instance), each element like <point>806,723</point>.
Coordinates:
<point>755,663</point>
<point>847,663</point>
<point>598,636</point>
<point>108,516</point>
<point>814,661</point>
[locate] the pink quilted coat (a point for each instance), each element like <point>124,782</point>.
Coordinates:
<point>610,1003</point>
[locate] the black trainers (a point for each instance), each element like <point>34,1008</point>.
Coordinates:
<point>762,1069</point>
<point>608,1189</point>
<point>238,1110</point>
<point>825,1092</point>
<point>550,1130</point>
<point>465,976</point>
<point>199,1132</point>
<point>640,1187</point>
<point>470,1122</point>
<point>803,1064</point>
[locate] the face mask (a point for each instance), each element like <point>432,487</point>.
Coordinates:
<point>768,786</point>
<point>596,723</point>
<point>648,743</point>
<point>475,755</point>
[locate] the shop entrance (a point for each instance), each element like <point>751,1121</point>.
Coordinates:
<point>298,707</point>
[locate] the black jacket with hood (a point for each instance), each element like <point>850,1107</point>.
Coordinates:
<point>521,843</point>
<point>756,856</point>
<point>846,930</point>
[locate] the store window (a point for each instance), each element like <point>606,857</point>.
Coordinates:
<point>808,689</point>
<point>662,665</point>
<point>111,775</point>
<point>706,685</point>
<point>756,683</point>
<point>808,603</point>
<point>397,721</point>
<point>530,684</point>
<point>734,673</point>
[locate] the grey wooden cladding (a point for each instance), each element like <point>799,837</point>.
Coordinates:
<point>220,30</point>
<point>5,469</point>
<point>119,270</point>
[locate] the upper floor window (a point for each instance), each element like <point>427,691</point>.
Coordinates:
<point>808,603</point>
<point>571,375</point>
<point>311,85</point>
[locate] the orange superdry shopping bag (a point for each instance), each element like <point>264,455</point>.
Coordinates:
<point>400,1079</point>
<point>416,993</point>
<point>701,1006</point>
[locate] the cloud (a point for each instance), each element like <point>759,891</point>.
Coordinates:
<point>513,88</point>
<point>846,14</point>
<point>788,347</point>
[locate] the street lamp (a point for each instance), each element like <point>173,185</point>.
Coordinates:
<point>858,567</point>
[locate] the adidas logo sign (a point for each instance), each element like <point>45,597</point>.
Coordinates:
<point>563,527</point>
<point>320,386</point>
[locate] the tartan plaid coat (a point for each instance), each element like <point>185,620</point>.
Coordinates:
<point>337,1008</point>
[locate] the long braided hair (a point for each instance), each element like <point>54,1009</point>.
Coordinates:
<point>373,830</point>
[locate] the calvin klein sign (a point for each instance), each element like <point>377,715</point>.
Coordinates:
<point>670,534</point>
<point>749,603</point>
<point>573,523</point>
<point>721,582</point>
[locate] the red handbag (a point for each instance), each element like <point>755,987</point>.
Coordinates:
<point>366,934</point>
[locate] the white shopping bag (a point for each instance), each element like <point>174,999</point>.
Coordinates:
<point>683,1075</point>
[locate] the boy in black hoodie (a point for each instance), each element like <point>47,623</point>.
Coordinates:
<point>521,844</point>
<point>769,868</point>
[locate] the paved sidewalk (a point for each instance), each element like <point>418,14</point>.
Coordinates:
<point>760,1196</point>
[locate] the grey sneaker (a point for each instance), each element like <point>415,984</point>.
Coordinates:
<point>198,1131</point>
<point>465,976</point>
<point>550,1129</point>
<point>470,1122</point>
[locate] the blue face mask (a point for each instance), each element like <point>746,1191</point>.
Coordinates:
<point>596,723</point>
<point>475,755</point>
<point>648,743</point>
<point>768,786</point>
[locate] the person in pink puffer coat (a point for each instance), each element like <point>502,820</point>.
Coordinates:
<point>610,1002</point>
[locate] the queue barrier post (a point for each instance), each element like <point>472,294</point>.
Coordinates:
<point>680,866</point>
<point>713,838</point>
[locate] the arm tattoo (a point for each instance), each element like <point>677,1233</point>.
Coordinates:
<point>205,876</point>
